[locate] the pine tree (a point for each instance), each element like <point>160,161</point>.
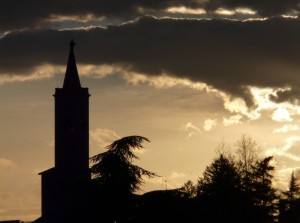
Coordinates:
<point>117,178</point>
<point>220,190</point>
<point>293,193</point>
<point>113,170</point>
<point>189,188</point>
<point>265,197</point>
<point>290,204</point>
<point>241,184</point>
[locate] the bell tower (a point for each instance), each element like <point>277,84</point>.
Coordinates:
<point>72,122</point>
<point>65,186</point>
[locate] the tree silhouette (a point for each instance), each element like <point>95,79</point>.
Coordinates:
<point>238,187</point>
<point>290,205</point>
<point>293,192</point>
<point>265,198</point>
<point>116,177</point>
<point>257,176</point>
<point>220,189</point>
<point>189,188</point>
<point>247,155</point>
<point>114,170</point>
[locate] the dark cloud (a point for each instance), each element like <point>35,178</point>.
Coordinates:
<point>228,55</point>
<point>290,95</point>
<point>18,14</point>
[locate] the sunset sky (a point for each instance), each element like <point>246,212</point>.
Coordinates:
<point>188,75</point>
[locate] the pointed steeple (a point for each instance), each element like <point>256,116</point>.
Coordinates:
<point>71,78</point>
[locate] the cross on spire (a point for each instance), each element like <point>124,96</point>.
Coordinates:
<point>72,45</point>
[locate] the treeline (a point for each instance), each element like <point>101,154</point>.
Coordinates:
<point>237,187</point>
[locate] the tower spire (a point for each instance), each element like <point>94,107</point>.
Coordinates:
<point>71,78</point>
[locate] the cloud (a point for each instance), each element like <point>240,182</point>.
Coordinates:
<point>185,10</point>
<point>232,120</point>
<point>103,137</point>
<point>192,129</point>
<point>176,180</point>
<point>34,73</point>
<point>287,128</point>
<point>209,124</point>
<point>163,81</point>
<point>230,56</point>
<point>7,164</point>
<point>281,115</point>
<point>262,7</point>
<point>176,175</point>
<point>284,175</point>
<point>284,151</point>
<point>17,14</point>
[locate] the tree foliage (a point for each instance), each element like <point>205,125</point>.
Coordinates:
<point>220,190</point>
<point>116,178</point>
<point>189,188</point>
<point>289,208</point>
<point>264,195</point>
<point>293,192</point>
<point>113,170</point>
<point>236,187</point>
<point>241,184</point>
<point>220,178</point>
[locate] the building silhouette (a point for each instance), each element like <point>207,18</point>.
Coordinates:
<point>65,186</point>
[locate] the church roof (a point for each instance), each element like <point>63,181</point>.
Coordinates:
<point>49,171</point>
<point>71,78</point>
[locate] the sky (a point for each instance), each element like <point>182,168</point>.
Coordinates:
<point>188,75</point>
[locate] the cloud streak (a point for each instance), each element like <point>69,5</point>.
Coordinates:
<point>262,7</point>
<point>103,137</point>
<point>290,143</point>
<point>287,128</point>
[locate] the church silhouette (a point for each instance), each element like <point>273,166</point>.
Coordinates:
<point>65,186</point>
<point>69,195</point>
